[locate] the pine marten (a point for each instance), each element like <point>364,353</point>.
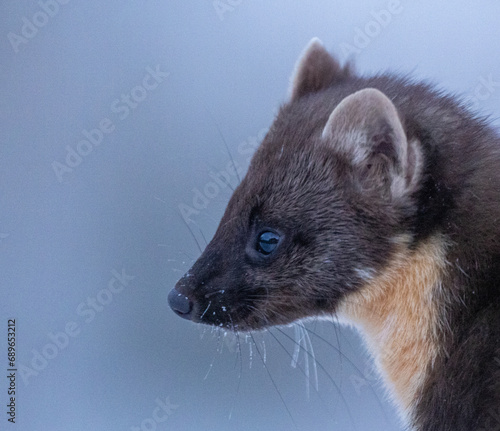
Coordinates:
<point>377,200</point>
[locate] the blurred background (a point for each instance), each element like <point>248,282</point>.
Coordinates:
<point>113,119</point>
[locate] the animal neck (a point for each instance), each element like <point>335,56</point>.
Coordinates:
<point>397,314</point>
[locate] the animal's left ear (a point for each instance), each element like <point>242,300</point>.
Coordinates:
<point>366,127</point>
<point>316,69</point>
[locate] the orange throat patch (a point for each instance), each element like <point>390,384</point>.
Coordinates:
<point>397,313</point>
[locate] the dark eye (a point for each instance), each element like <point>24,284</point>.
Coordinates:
<point>267,242</point>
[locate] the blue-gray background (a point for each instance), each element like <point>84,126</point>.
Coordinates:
<point>118,209</point>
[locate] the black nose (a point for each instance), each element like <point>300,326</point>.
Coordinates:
<point>180,304</point>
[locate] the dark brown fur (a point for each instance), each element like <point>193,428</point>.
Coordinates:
<point>414,217</point>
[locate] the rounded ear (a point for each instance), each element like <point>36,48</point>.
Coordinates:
<point>366,127</point>
<point>315,69</point>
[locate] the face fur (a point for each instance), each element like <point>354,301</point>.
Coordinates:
<point>316,215</point>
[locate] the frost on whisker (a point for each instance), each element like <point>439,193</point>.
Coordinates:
<point>303,342</point>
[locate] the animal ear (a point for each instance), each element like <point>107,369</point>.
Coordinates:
<point>315,69</point>
<point>366,127</point>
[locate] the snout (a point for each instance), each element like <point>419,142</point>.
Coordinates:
<point>181,304</point>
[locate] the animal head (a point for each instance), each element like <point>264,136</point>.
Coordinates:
<point>326,197</point>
